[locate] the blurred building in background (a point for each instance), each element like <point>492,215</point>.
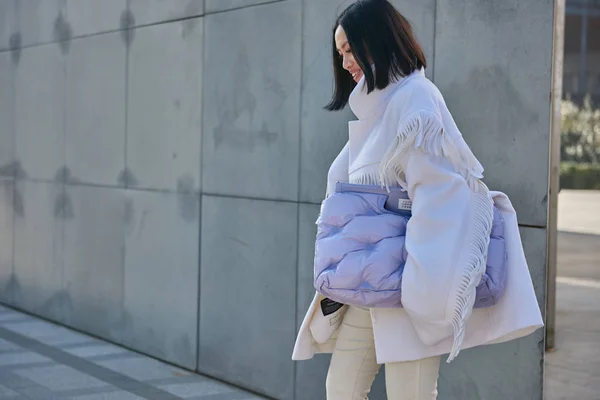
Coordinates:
<point>580,109</point>
<point>582,50</point>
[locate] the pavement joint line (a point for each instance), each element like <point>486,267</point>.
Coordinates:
<point>104,374</point>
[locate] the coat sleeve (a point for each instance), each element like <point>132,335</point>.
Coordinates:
<point>448,233</point>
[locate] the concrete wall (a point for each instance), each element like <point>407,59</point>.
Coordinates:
<point>162,164</point>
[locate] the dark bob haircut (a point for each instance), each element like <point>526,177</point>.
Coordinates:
<point>377,34</point>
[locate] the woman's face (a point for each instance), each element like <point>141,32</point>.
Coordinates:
<point>343,48</point>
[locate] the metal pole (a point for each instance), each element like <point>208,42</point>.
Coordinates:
<point>554,169</point>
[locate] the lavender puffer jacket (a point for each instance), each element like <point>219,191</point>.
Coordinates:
<point>360,253</point>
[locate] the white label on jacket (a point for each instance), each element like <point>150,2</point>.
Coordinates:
<point>404,204</point>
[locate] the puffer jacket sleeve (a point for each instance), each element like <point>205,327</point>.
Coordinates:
<point>448,234</point>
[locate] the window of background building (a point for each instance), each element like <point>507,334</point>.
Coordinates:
<point>581,69</point>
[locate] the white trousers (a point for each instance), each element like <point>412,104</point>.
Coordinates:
<point>353,366</point>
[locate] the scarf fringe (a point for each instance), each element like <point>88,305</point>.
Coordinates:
<point>474,266</point>
<point>424,130</point>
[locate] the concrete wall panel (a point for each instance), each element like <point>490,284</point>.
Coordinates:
<point>164,107</point>
<point>94,259</point>
<point>87,17</point>
<point>95,129</point>
<point>39,249</point>
<point>40,112</point>
<point>146,12</point>
<point>493,63</point>
<point>161,275</point>
<point>251,103</point>
<point>248,293</point>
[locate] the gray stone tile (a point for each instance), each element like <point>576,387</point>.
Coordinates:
<point>161,251</point>
<point>178,379</point>
<point>12,359</point>
<point>6,346</point>
<point>90,341</point>
<point>152,11</point>
<point>163,133</point>
<point>26,388</point>
<point>223,5</point>
<point>142,369</point>
<point>235,395</point>
<point>18,320</point>
<point>95,132</point>
<point>109,396</point>
<point>509,370</point>
<point>7,216</point>
<point>39,248</point>
<point>247,331</point>
<point>60,377</point>
<point>77,378</point>
<point>252,110</point>
<point>205,388</point>
<point>7,107</point>
<point>11,318</point>
<point>111,376</point>
<point>107,390</point>
<point>565,384</point>
<point>494,66</point>
<point>17,396</point>
<point>95,350</point>
<point>40,111</point>
<point>90,16</point>
<point>46,332</point>
<point>7,393</point>
<point>113,356</point>
<point>577,349</point>
<point>572,369</point>
<point>94,259</point>
<point>36,20</point>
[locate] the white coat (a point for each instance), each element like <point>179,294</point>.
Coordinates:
<point>405,136</point>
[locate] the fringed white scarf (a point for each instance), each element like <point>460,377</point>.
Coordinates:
<point>403,117</point>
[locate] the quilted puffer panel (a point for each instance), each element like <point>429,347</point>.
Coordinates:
<point>360,252</point>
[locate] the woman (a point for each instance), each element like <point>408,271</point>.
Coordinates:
<point>405,137</point>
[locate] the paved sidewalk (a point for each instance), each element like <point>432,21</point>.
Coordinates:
<point>573,368</point>
<point>40,360</point>
<point>579,211</point>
